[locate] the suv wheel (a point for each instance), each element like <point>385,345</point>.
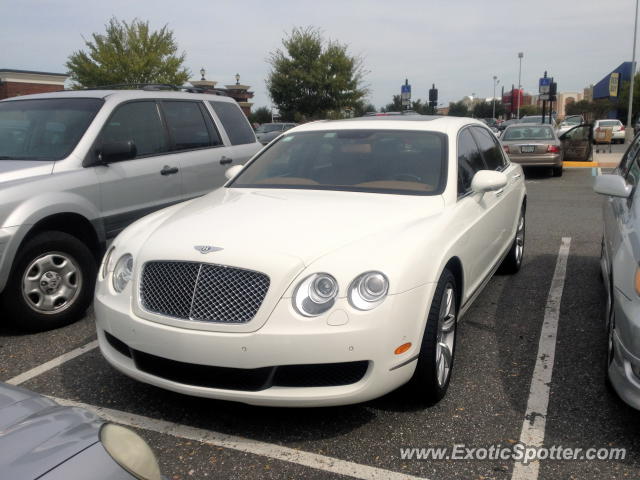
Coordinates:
<point>51,283</point>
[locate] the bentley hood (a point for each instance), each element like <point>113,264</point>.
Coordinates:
<point>292,224</point>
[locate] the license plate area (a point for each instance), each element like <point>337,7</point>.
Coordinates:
<point>527,149</point>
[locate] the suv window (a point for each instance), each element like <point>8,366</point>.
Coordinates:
<point>234,122</point>
<point>469,161</point>
<point>490,148</point>
<point>140,122</point>
<point>187,125</point>
<point>44,129</point>
<point>629,156</point>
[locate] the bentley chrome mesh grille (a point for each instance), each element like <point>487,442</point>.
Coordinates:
<point>202,291</point>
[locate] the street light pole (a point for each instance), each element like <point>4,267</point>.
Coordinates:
<point>629,131</point>
<point>520,55</point>
<point>494,95</point>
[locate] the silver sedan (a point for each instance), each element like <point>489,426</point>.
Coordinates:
<point>620,262</point>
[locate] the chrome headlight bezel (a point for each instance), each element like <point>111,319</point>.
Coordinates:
<point>368,290</point>
<point>315,294</point>
<point>105,263</point>
<point>122,273</point>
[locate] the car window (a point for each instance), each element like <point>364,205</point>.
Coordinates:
<point>140,122</point>
<point>629,156</point>
<point>187,125</point>
<point>530,132</point>
<point>235,123</point>
<point>609,123</point>
<point>490,148</point>
<point>44,129</point>
<point>578,133</point>
<point>469,161</point>
<point>379,161</point>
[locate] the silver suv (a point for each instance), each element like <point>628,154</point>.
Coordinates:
<point>77,167</point>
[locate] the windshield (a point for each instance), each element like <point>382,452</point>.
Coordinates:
<point>573,120</point>
<point>46,129</point>
<point>269,127</point>
<point>382,161</point>
<point>528,133</point>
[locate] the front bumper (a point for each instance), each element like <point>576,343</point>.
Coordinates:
<point>627,356</point>
<point>342,335</point>
<point>542,160</point>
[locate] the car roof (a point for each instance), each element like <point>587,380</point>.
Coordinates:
<point>394,122</point>
<point>123,95</point>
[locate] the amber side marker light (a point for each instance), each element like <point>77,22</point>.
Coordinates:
<point>402,348</point>
<point>638,280</point>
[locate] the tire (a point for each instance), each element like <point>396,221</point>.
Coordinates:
<point>557,171</point>
<point>513,261</point>
<point>429,383</point>
<point>59,271</point>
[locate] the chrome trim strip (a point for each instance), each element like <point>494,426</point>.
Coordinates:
<point>406,362</point>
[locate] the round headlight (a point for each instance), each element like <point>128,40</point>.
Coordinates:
<point>123,272</point>
<point>315,294</point>
<point>130,451</point>
<point>368,290</point>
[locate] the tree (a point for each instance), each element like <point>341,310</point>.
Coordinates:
<point>361,108</point>
<point>622,103</point>
<point>485,110</point>
<point>590,110</point>
<point>394,106</point>
<point>531,110</point>
<point>260,115</point>
<point>458,109</point>
<point>128,53</point>
<point>312,76</point>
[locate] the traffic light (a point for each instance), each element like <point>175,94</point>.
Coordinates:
<point>553,89</point>
<point>433,96</point>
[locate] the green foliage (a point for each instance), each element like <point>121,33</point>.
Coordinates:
<point>531,110</point>
<point>458,109</point>
<point>622,103</point>
<point>361,108</point>
<point>312,76</point>
<point>260,115</point>
<point>128,53</point>
<point>394,106</point>
<point>485,110</point>
<point>591,110</point>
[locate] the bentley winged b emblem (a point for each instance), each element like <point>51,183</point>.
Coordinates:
<point>203,249</point>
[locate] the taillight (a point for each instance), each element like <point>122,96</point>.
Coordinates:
<point>506,148</point>
<point>622,128</point>
<point>552,149</point>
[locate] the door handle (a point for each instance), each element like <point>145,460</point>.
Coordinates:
<point>499,192</point>
<point>225,160</point>
<point>517,175</point>
<point>167,170</point>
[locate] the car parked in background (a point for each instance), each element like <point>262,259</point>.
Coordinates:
<point>503,125</point>
<point>533,146</point>
<point>620,267</point>
<point>40,439</point>
<point>76,167</point>
<point>616,126</point>
<point>551,120</point>
<point>331,269</point>
<point>268,131</point>
<point>568,123</point>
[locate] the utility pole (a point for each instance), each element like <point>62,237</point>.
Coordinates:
<point>495,82</point>
<point>520,55</point>
<point>629,131</point>
<point>544,102</point>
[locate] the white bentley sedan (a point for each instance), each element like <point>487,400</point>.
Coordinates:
<point>331,269</point>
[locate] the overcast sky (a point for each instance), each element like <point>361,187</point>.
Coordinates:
<point>458,44</point>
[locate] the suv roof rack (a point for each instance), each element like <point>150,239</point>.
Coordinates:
<point>157,87</point>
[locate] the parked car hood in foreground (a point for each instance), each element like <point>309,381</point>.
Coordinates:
<point>305,224</point>
<point>37,434</point>
<point>17,169</point>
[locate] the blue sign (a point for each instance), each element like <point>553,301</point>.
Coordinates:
<point>544,85</point>
<point>405,89</point>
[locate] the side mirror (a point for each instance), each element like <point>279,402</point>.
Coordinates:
<point>488,181</point>
<point>612,185</point>
<point>231,172</point>
<point>117,151</point>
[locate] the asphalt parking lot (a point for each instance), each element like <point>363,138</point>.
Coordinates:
<point>488,402</point>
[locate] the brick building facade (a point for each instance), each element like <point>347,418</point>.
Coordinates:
<point>14,83</point>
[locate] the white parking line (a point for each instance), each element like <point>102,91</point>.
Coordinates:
<point>535,419</point>
<point>51,364</point>
<point>277,452</point>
